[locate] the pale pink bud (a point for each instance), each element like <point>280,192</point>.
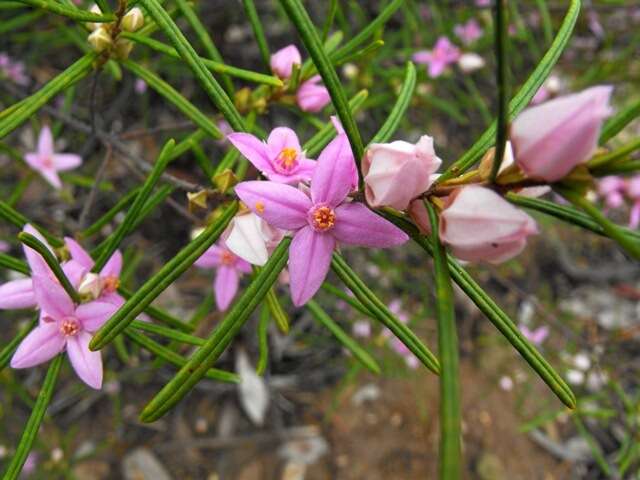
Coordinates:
<point>100,40</point>
<point>312,96</point>
<point>283,60</point>
<point>551,139</point>
<point>479,225</point>
<point>397,172</point>
<point>133,20</point>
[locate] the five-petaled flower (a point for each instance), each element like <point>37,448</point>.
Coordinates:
<point>280,159</point>
<point>64,325</point>
<point>229,267</point>
<point>48,163</point>
<point>444,53</point>
<point>321,219</point>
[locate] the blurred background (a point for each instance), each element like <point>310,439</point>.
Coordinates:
<point>573,294</point>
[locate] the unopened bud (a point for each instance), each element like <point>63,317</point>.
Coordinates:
<point>123,48</point>
<point>90,286</point>
<point>100,40</point>
<point>197,200</point>
<point>94,25</point>
<point>225,180</point>
<point>133,20</point>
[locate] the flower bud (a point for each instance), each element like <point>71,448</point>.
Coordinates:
<point>550,139</point>
<point>100,40</point>
<point>133,20</point>
<point>312,96</point>
<point>283,60</point>
<point>479,225</point>
<point>470,62</point>
<point>123,48</point>
<point>397,172</point>
<point>91,286</point>
<point>94,25</point>
<point>251,238</point>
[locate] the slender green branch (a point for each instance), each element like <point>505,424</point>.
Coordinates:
<point>502,82</point>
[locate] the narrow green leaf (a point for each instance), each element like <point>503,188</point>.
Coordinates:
<point>111,213</point>
<point>32,104</point>
<point>11,263</point>
<point>263,341</point>
<point>178,360</point>
<point>212,65</point>
<point>601,162</point>
<point>502,83</point>
<point>496,315</point>
<point>342,295</point>
<point>7,351</point>
<point>162,279</point>
<point>450,418</point>
<point>547,27</point>
<point>166,332</point>
<point>398,111</point>
<point>158,314</point>
<point>35,244</point>
<point>377,308</point>
<point>621,119</point>
<point>629,244</point>
<point>133,212</point>
<point>311,40</point>
<point>19,21</point>
<point>203,75</point>
<point>349,343</point>
<point>69,12</point>
<point>171,94</point>
<point>221,337</point>
<point>14,217</point>
<point>277,312</point>
<point>258,32</point>
<point>522,98</point>
<point>35,419</point>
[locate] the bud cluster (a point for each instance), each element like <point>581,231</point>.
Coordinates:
<point>104,36</point>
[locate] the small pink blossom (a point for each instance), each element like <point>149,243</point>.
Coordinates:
<point>283,60</point>
<point>483,3</point>
<point>4,246</point>
<point>13,70</point>
<point>402,350</point>
<point>140,86</point>
<point>633,192</point>
<point>395,173</point>
<point>536,336</point>
<point>468,32</point>
<point>64,326</point>
<point>362,329</point>
<point>280,159</point>
<point>551,139</point>
<point>444,53</point>
<point>48,163</point>
<point>612,189</point>
<point>479,225</point>
<point>321,219</point>
<point>312,95</point>
<point>229,269</point>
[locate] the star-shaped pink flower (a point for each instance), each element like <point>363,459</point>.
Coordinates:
<point>48,163</point>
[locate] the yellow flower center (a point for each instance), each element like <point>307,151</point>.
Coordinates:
<point>110,284</point>
<point>287,160</point>
<point>323,218</point>
<point>69,327</point>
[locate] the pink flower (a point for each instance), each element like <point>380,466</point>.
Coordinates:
<point>611,188</point>
<point>633,192</point>
<point>551,139</point>
<point>102,286</point>
<point>362,329</point>
<point>48,163</point>
<point>468,32</point>
<point>280,159</point>
<point>14,71</point>
<point>283,60</point>
<point>64,325</point>
<point>541,95</point>
<point>483,3</point>
<point>320,220</point>
<point>536,336</point>
<point>397,172</point>
<point>228,267</point>
<point>479,225</point>
<point>140,86</point>
<point>402,350</point>
<point>312,96</point>
<point>444,53</point>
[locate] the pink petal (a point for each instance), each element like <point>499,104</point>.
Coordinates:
<point>42,344</point>
<point>112,298</point>
<point>309,261</point>
<point>93,315</point>
<point>34,160</point>
<point>34,259</point>
<point>436,68</point>
<point>17,294</point>
<point>282,206</point>
<point>253,149</point>
<point>51,297</point>
<point>113,267</point>
<point>225,286</point>
<point>87,364</point>
<point>74,272</point>
<point>357,225</point>
<point>78,253</point>
<point>634,216</point>
<point>243,266</point>
<point>332,179</point>
<point>305,170</point>
<point>66,161</point>
<point>423,56</point>
<point>45,142</point>
<point>283,137</point>
<point>211,258</point>
<point>51,176</point>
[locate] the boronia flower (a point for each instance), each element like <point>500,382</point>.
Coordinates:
<point>64,326</point>
<point>397,172</point>
<point>632,189</point>
<point>48,163</point>
<point>479,225</point>
<point>280,159</point>
<point>444,53</point>
<point>283,60</point>
<point>612,189</point>
<point>312,95</point>
<point>468,32</point>
<point>537,335</point>
<point>551,139</point>
<point>319,220</point>
<point>229,268</point>
<point>251,238</point>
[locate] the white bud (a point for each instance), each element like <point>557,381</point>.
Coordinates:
<point>123,48</point>
<point>100,40</point>
<point>133,20</point>
<point>470,62</point>
<point>90,285</point>
<point>94,25</point>
<point>350,70</point>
